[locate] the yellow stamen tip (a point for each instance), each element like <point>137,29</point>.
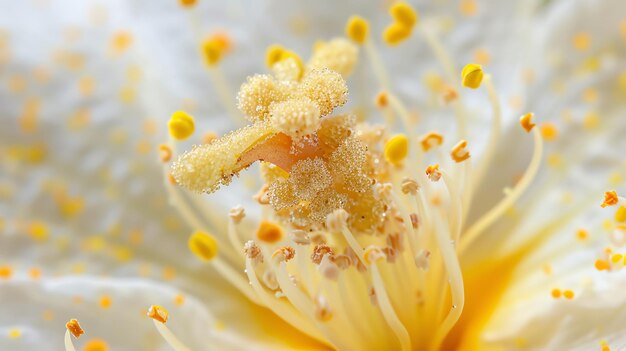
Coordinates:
<point>556,293</point>
<point>602,265</point>
<point>158,313</point>
<point>181,125</point>
<point>74,328</point>
<point>396,33</point>
<point>549,131</point>
<point>431,140</point>
<point>187,3</point>
<point>357,29</point>
<point>610,199</point>
<point>203,245</point>
<point>273,54</point>
<point>212,50</point>
<point>568,294</point>
<point>472,75</point>
<point>458,153</point>
<point>620,214</point>
<point>269,232</point>
<point>396,149</point>
<point>526,121</point>
<point>403,13</point>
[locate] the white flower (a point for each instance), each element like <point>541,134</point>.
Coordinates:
<point>509,249</point>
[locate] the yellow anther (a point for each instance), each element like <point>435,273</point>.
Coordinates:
<point>568,294</point>
<point>582,234</point>
<point>38,231</point>
<point>166,153</point>
<point>96,345</point>
<point>15,333</point>
<point>449,94</point>
<point>526,121</point>
<point>105,301</point>
<point>581,41</point>
<point>468,7</point>
<point>549,131</point>
<point>187,3</point>
<point>382,99</point>
<point>6,272</point>
<point>273,54</point>
<point>158,313</point>
<point>458,153</point>
<point>357,29</point>
<point>212,50</point>
<point>431,140</point>
<point>403,13</point>
<point>433,172</point>
<point>121,41</point>
<point>396,149</point>
<point>610,199</point>
<point>373,254</point>
<point>203,245</point>
<point>284,254</point>
<point>620,214</point>
<point>74,328</point>
<point>616,258</point>
<point>181,125</point>
<point>556,293</point>
<point>472,75</point>
<point>396,33</point>
<point>269,232</point>
<point>602,265</point>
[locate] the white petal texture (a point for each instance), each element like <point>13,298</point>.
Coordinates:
<point>91,228</point>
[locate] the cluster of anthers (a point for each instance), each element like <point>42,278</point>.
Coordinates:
<point>359,243</point>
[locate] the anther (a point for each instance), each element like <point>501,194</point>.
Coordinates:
<point>396,149</point>
<point>422,259</point>
<point>433,172</point>
<point>74,327</point>
<point>472,75</point>
<point>237,213</point>
<point>620,214</point>
<point>203,245</point>
<point>458,153</point>
<point>166,153</point>
<point>382,99</point>
<point>610,199</point>
<point>373,254</point>
<point>336,221</point>
<point>181,125</point>
<point>158,313</point>
<point>357,29</point>
<point>252,251</point>
<point>431,140</point>
<point>526,121</point>
<point>409,186</point>
<point>396,33</point>
<point>319,252</point>
<point>300,237</point>
<point>284,254</point>
<point>269,232</point>
<point>403,13</point>
<point>212,50</point>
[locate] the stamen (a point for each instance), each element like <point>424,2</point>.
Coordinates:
<point>269,232</point>
<point>433,172</point>
<point>158,313</point>
<point>181,125</point>
<point>187,3</point>
<point>166,153</point>
<point>167,334</point>
<point>396,149</point>
<point>73,328</point>
<point>526,121</point>
<point>431,140</point>
<point>458,153</point>
<point>357,29</point>
<point>472,76</point>
<point>203,245</point>
<point>610,199</point>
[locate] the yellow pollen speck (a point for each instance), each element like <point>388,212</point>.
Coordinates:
<point>121,42</point>
<point>396,33</point>
<point>527,121</point>
<point>158,313</point>
<point>382,99</point>
<point>74,328</point>
<point>404,13</point>
<point>181,125</point>
<point>602,265</point>
<point>396,149</point>
<point>96,345</point>
<point>581,41</point>
<point>549,131</point>
<point>472,75</point>
<point>203,245</point>
<point>38,231</point>
<point>458,153</point>
<point>269,232</point>
<point>6,272</point>
<point>212,51</point>
<point>582,234</point>
<point>620,214</point>
<point>34,273</point>
<point>357,29</point>
<point>610,199</point>
<point>556,293</point>
<point>187,3</point>
<point>165,153</point>
<point>15,333</point>
<point>431,140</point>
<point>105,301</point>
<point>568,294</point>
